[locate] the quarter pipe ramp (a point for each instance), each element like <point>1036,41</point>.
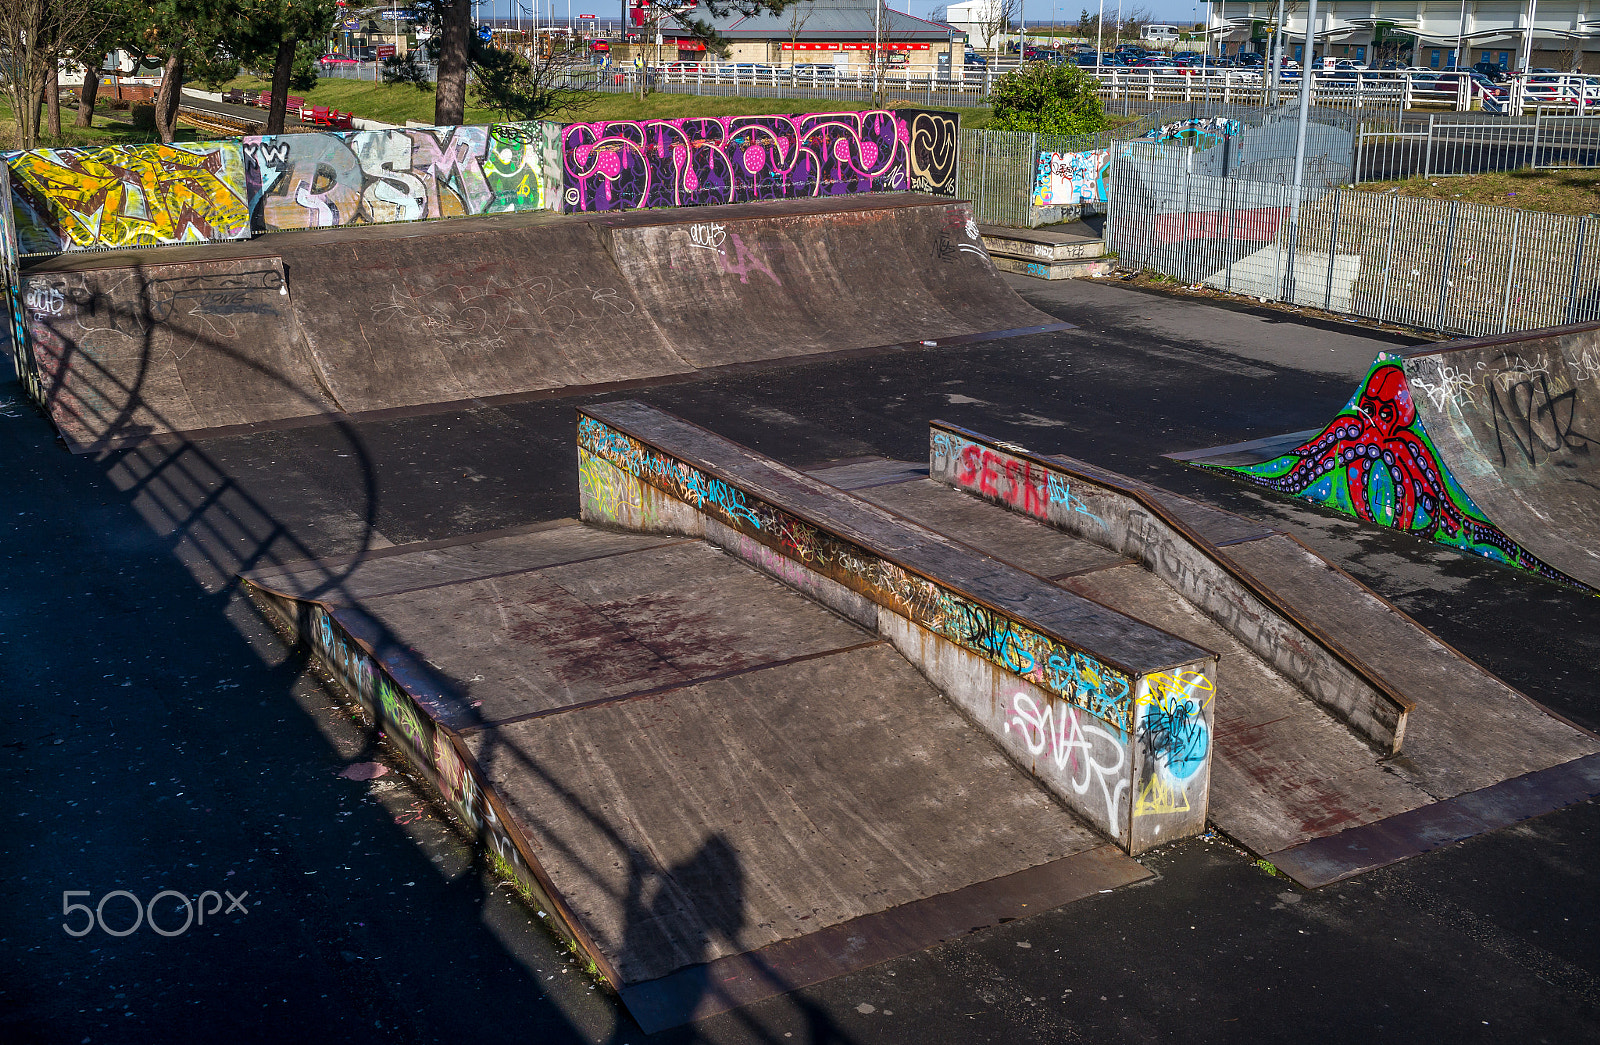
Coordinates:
<point>1489,446</point>
<point>131,344</point>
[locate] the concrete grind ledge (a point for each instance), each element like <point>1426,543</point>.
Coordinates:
<point>1048,674</point>
<point>1129,520</point>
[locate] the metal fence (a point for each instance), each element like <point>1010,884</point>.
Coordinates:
<point>996,169</point>
<point>1437,146</point>
<point>1121,91</point>
<point>1438,264</point>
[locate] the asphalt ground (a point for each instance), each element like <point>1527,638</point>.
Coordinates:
<point>157,735</point>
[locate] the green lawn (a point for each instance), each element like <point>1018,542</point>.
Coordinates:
<point>397,103</point>
<point>110,128</point>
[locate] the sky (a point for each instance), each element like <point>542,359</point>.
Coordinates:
<point>1035,11</point>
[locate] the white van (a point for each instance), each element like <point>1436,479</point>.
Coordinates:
<point>1159,34</point>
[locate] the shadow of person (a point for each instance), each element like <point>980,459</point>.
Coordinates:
<point>695,915</point>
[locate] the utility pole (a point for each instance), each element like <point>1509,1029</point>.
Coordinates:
<point>1300,138</point>
<point>1099,32</point>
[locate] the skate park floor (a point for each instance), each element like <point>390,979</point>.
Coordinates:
<point>159,736</point>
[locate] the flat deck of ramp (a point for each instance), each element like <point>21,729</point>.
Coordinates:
<point>1490,446</point>
<point>294,326</point>
<point>1289,780</point>
<point>732,790</point>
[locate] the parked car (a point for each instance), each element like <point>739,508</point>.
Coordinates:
<point>815,71</point>
<point>1494,72</point>
<point>330,60</point>
<point>975,59</point>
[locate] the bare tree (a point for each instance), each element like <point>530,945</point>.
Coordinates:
<point>38,35</point>
<point>799,15</point>
<point>995,19</point>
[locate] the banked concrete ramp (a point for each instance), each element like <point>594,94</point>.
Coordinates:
<point>132,344</point>
<point>750,731</point>
<point>1489,446</point>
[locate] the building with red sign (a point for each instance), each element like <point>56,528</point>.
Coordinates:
<point>819,32</point>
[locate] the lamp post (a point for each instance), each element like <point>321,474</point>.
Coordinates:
<point>1300,139</point>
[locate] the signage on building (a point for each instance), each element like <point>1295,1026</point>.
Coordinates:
<point>398,15</point>
<point>810,47</point>
<point>886,47</point>
<point>352,23</point>
<point>588,16</point>
<point>690,45</point>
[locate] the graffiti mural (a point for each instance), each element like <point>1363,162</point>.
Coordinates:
<point>933,142</point>
<point>1376,462</point>
<point>1176,739</point>
<point>429,745</point>
<point>128,196</point>
<point>304,181</point>
<point>626,164</point>
<point>1075,676</point>
<point>1018,483</point>
<point>1066,179</point>
<point>1202,132</point>
<point>11,279</point>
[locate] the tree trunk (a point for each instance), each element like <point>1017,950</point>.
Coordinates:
<point>280,83</point>
<point>89,92</point>
<point>167,97</point>
<point>450,98</point>
<point>52,100</point>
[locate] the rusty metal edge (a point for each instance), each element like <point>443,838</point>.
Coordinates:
<point>736,980</point>
<point>565,922</point>
<point>1442,347</point>
<point>1237,572</point>
<point>1356,850</point>
<point>724,476</point>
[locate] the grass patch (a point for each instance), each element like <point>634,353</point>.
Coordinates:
<point>1574,191</point>
<point>397,103</point>
<point>111,127</point>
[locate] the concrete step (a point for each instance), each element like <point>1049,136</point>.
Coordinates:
<point>1071,243</point>
<point>1052,269</point>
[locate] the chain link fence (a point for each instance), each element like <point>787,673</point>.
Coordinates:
<point>1442,265</point>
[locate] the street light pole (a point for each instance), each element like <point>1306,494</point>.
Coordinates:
<point>1300,138</point>
<point>1099,33</point>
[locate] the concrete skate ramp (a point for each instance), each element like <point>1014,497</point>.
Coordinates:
<point>406,315</point>
<point>353,320</point>
<point>732,284</point>
<point>124,347</point>
<point>1517,420</point>
<point>1490,446</point>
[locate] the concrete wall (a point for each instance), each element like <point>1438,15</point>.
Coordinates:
<point>1139,794</point>
<point>1126,523</point>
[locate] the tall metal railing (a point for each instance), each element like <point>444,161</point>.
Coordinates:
<point>1436,146</point>
<point>1442,265</point>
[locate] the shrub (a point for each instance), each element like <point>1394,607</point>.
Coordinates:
<point>1048,99</point>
